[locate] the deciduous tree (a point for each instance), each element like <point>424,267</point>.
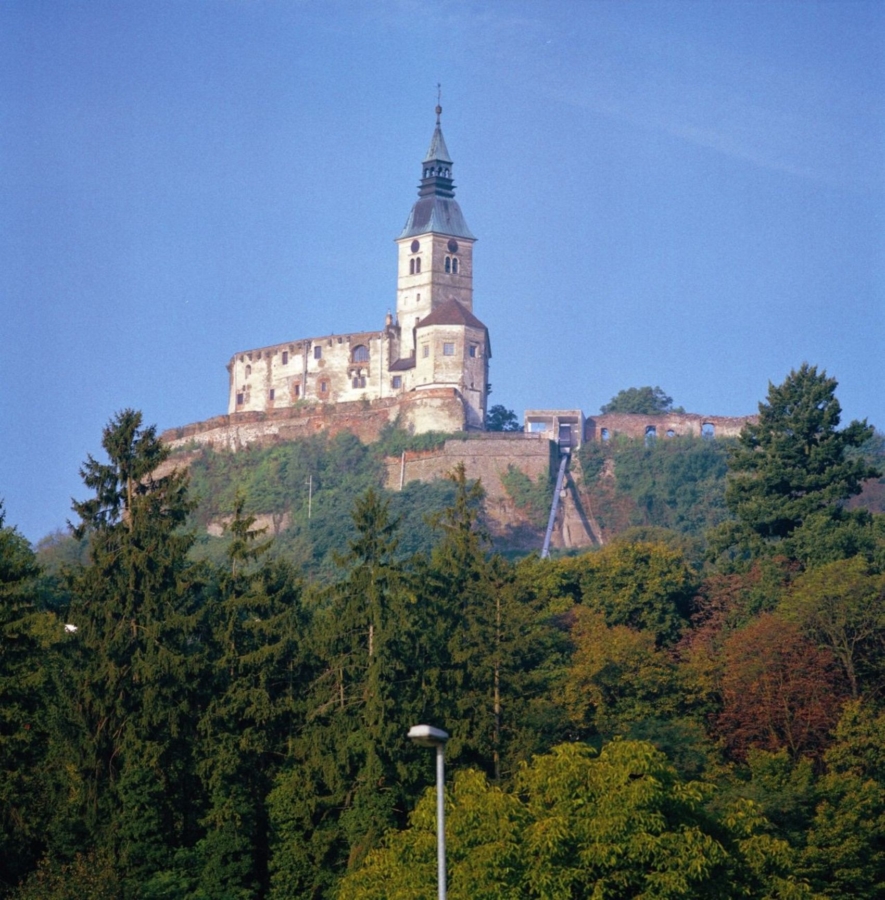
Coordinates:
<point>644,400</point>
<point>778,690</point>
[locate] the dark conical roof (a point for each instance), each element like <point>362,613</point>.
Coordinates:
<point>436,208</point>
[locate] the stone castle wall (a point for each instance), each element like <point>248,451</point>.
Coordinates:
<point>440,409</point>
<point>485,457</point>
<point>633,425</point>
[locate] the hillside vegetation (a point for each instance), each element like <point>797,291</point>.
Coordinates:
<point>696,710</point>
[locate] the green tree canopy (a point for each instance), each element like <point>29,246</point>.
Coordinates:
<point>620,824</point>
<point>499,418</point>
<point>793,463</point>
<point>643,400</point>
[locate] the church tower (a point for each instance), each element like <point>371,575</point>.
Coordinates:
<point>435,248</point>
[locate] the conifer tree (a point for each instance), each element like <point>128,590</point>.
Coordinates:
<point>255,627</point>
<point>349,776</point>
<point>793,466</point>
<point>27,639</point>
<point>484,644</point>
<point>134,682</point>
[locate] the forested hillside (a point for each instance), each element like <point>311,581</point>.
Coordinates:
<point>693,710</point>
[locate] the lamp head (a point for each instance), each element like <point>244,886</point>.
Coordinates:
<point>428,736</point>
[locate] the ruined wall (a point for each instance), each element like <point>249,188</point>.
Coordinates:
<point>439,409</point>
<point>632,425</point>
<point>331,369</point>
<point>485,456</point>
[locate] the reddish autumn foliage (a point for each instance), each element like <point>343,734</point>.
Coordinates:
<point>778,690</point>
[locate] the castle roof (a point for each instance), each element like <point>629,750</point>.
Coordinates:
<point>436,208</point>
<point>451,313</point>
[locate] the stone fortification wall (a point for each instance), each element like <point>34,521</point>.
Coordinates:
<point>485,457</point>
<point>632,425</point>
<point>440,409</point>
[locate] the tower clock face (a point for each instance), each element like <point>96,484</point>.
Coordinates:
<point>453,246</point>
<point>415,247</point>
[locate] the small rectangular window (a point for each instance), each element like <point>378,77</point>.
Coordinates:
<point>448,349</point>
<point>296,390</point>
<point>239,399</point>
<point>425,351</point>
<point>324,387</point>
<point>536,427</point>
<point>397,381</point>
<point>318,352</point>
<point>473,350</point>
<point>270,394</point>
<point>285,357</point>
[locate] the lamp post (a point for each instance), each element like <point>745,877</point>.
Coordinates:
<point>428,736</point>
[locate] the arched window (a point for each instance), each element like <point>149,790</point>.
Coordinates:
<point>417,265</point>
<point>411,267</point>
<point>360,353</point>
<point>708,430</point>
<point>651,434</point>
<point>248,371</point>
<point>604,434</point>
<point>454,266</point>
<point>448,264</point>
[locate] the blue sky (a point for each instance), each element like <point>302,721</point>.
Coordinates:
<point>683,194</point>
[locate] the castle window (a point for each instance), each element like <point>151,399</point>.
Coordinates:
<point>318,352</point>
<point>425,350</point>
<point>360,353</point>
<point>651,434</point>
<point>448,349</point>
<point>270,394</point>
<point>296,389</point>
<point>239,399</point>
<point>359,381</point>
<point>285,357</point>
<point>324,387</point>
<point>472,350</point>
<point>708,430</point>
<point>248,371</point>
<point>397,381</point>
<point>448,264</point>
<point>604,434</point>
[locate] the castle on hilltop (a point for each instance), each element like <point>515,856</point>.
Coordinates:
<point>431,359</point>
<point>426,370</point>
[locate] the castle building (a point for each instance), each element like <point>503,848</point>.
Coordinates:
<point>433,344</point>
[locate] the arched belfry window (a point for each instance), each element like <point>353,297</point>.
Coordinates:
<point>360,353</point>
<point>417,265</point>
<point>411,267</point>
<point>448,264</point>
<point>454,265</point>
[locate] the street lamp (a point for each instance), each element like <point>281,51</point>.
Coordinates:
<point>428,736</point>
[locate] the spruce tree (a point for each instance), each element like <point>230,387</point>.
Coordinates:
<point>134,682</point>
<point>27,649</point>
<point>794,465</point>
<point>349,777</point>
<point>255,624</point>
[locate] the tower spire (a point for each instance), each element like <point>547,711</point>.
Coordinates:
<point>436,208</point>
